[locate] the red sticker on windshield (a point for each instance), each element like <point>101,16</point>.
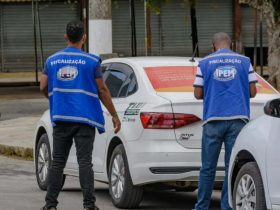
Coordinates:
<point>172,78</point>
<point>264,87</point>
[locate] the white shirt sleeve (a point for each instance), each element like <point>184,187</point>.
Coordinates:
<point>252,75</point>
<point>199,81</point>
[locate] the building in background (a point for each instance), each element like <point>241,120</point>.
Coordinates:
<point>112,29</point>
<point>17,31</point>
<point>171,26</point>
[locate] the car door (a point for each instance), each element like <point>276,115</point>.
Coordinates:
<point>272,155</point>
<point>99,144</point>
<point>101,139</point>
<point>118,77</point>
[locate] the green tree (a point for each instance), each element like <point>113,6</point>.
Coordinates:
<point>271,10</point>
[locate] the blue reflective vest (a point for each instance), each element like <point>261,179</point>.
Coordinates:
<point>226,86</point>
<point>72,88</point>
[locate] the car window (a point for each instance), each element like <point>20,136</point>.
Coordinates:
<point>105,72</point>
<point>124,91</point>
<point>104,67</point>
<point>119,79</point>
<point>171,78</point>
<point>114,82</point>
<point>132,88</point>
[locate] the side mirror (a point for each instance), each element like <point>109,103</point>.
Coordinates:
<point>272,108</point>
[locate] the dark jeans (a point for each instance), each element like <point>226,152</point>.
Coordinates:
<point>63,135</point>
<point>215,133</point>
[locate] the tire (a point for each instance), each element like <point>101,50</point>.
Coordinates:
<point>129,196</point>
<point>250,175</point>
<point>43,164</point>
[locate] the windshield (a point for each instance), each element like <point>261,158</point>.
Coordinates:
<point>172,78</point>
<point>181,78</point>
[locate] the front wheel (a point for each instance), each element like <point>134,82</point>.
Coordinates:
<point>43,162</point>
<point>248,192</point>
<point>123,193</point>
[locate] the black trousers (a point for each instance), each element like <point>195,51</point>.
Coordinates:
<point>63,135</point>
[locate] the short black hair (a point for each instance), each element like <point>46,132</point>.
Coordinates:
<point>75,31</point>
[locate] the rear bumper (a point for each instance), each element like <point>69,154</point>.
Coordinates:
<point>163,161</point>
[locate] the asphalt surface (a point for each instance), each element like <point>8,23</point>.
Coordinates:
<point>20,110</point>
<point>19,191</point>
<point>18,102</point>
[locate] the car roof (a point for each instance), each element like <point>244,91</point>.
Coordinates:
<point>156,61</point>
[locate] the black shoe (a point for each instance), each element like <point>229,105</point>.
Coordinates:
<point>45,208</point>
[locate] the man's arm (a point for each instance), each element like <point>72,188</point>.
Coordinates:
<point>253,90</point>
<point>44,85</point>
<point>105,97</point>
<point>252,77</point>
<point>198,92</point>
<point>198,84</point>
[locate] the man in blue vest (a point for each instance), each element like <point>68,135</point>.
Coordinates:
<point>72,80</point>
<point>225,81</point>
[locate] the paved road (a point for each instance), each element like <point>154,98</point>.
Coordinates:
<point>19,191</point>
<point>18,102</point>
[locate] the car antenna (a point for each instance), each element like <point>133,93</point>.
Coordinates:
<point>194,53</point>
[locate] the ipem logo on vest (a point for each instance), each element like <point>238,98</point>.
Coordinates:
<point>225,73</point>
<point>67,73</point>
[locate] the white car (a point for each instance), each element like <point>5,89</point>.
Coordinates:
<point>254,171</point>
<point>161,129</point>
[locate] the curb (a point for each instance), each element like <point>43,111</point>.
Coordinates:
<point>18,84</point>
<point>26,153</point>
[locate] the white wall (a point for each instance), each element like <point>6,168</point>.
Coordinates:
<point>100,36</point>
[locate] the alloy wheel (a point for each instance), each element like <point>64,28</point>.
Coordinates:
<point>246,194</point>
<point>118,176</point>
<point>43,162</point>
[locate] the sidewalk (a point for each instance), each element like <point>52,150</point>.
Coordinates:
<point>21,108</point>
<point>8,79</point>
<point>16,137</point>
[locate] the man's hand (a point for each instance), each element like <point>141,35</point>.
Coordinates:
<point>198,92</point>
<point>253,90</point>
<point>116,123</point>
